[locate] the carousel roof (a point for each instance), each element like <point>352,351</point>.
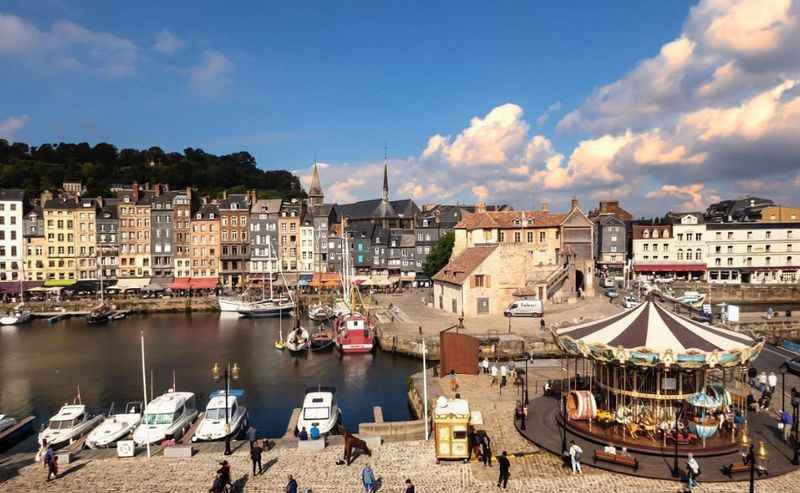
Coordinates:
<point>651,334</point>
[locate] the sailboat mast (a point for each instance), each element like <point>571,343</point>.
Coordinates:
<point>271,256</point>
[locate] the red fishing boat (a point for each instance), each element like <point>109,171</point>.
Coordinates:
<point>354,334</point>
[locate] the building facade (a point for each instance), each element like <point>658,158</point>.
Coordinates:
<point>108,242</point>
<point>264,215</point>
<point>206,242</point>
<point>162,214</point>
<point>611,245</point>
<point>752,253</point>
<point>182,233</point>
<point>308,245</point>
<point>289,234</point>
<point>234,211</point>
<point>59,226</point>
<point>134,208</point>
<point>11,234</point>
<point>86,237</point>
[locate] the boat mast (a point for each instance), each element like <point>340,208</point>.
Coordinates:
<point>271,257</point>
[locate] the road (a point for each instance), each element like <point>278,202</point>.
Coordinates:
<point>771,359</point>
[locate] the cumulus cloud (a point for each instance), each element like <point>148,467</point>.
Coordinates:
<point>67,46</point>
<point>693,197</point>
<point>167,43</point>
<point>213,74</point>
<point>12,125</point>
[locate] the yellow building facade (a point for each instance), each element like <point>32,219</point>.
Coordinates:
<point>59,231</point>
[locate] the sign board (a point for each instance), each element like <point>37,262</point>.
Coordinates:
<point>733,313</point>
<point>707,308</point>
<point>669,383</point>
<point>125,448</point>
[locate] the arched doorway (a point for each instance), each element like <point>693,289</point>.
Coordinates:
<point>579,282</point>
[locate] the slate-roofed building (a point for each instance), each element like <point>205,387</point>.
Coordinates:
<point>35,245</point>
<point>11,231</point>
<point>59,226</point>
<point>86,236</point>
<point>108,240</point>
<point>264,215</point>
<point>234,212</point>
<point>205,242</point>
<point>134,207</point>
<point>162,235</point>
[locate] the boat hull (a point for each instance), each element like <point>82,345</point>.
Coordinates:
<point>16,319</point>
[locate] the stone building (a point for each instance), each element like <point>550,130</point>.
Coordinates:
<point>762,252</point>
<point>182,233</point>
<point>780,214</point>
<point>59,226</point>
<point>206,242</point>
<point>134,208</point>
<point>234,211</point>
<point>264,215</point>
<point>611,245</point>
<point>652,245</point>
<point>688,252</point>
<point>108,241</point>
<point>289,234</point>
<point>35,245</point>
<point>308,244</point>
<point>577,241</point>
<point>86,236</point>
<point>162,214</point>
<point>11,231</point>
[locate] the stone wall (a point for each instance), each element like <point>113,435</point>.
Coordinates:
<point>743,293</point>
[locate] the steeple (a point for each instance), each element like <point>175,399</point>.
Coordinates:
<point>315,190</point>
<point>385,196</point>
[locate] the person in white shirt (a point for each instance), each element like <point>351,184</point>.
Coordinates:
<point>503,375</point>
<point>494,374</point>
<point>772,379</point>
<point>575,455</point>
<point>693,470</point>
<point>485,365</point>
<point>762,381</point>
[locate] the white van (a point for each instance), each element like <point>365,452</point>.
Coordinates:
<point>525,308</point>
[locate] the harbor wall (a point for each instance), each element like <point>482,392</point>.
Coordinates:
<point>742,293</point>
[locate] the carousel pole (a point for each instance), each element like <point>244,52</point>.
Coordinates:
<point>675,472</point>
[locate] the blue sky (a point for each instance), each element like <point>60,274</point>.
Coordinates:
<point>339,80</point>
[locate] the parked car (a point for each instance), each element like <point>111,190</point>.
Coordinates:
<point>793,365</point>
<point>612,293</point>
<point>608,282</point>
<point>525,308</point>
<point>630,302</point>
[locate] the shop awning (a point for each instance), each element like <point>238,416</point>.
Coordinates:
<point>180,283</point>
<point>669,268</point>
<point>203,282</point>
<point>12,287</point>
<point>305,279</point>
<point>158,284</point>
<point>90,286</point>
<point>131,284</point>
<point>326,280</point>
<point>59,283</point>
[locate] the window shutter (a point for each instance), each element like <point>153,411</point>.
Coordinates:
<point>472,281</point>
<point>487,281</point>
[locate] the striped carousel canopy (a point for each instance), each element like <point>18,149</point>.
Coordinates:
<point>650,335</point>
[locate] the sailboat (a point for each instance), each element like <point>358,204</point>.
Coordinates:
<point>354,332</point>
<point>20,314</point>
<point>102,313</point>
<point>272,306</point>
<point>280,343</point>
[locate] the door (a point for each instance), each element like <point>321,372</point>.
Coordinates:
<point>483,305</point>
<point>455,305</point>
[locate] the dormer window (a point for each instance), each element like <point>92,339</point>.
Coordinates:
<point>233,207</point>
<point>127,200</point>
<point>211,215</point>
<point>646,233</point>
<point>199,216</point>
<point>516,222</point>
<point>665,234</point>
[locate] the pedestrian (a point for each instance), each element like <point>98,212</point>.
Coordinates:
<point>303,435</point>
<point>409,486</point>
<point>314,431</point>
<point>453,381</point>
<point>291,486</point>
<point>752,373</point>
<point>51,461</point>
<point>692,471</point>
<point>772,379</point>
<point>494,375</point>
<point>486,449</point>
<point>505,470</point>
<point>503,375</point>
<point>795,400</point>
<point>255,457</point>
<point>542,325</point>
<point>251,435</point>
<point>368,479</point>
<point>787,420</point>
<point>485,365</point>
<point>575,455</point>
<point>762,382</point>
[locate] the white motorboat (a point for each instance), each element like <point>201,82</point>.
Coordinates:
<point>6,422</point>
<point>116,426</point>
<point>268,308</point>
<point>320,313</point>
<point>19,315</point>
<point>320,410</point>
<point>167,416</point>
<point>72,421</point>
<point>213,425</point>
<point>298,340</point>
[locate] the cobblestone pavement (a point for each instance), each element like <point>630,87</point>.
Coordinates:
<point>392,463</point>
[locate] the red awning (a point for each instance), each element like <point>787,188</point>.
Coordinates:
<point>669,268</point>
<point>204,282</point>
<point>180,283</point>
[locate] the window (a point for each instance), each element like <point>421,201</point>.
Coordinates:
<point>517,237</point>
<point>698,237</point>
<point>501,236</point>
<point>788,260</point>
<point>665,233</point>
<point>646,234</point>
<point>530,236</point>
<point>730,248</point>
<point>718,249</point>
<point>730,261</point>
<point>542,236</point>
<point>718,235</point>
<point>767,260</point>
<point>479,280</point>
<point>717,261</point>
<point>680,236</point>
<point>767,248</point>
<point>698,254</point>
<point>769,234</point>
<point>749,235</point>
<point>749,248</point>
<point>483,307</point>
<point>680,253</point>
<point>645,247</point>
<point>655,233</point>
<point>655,247</point>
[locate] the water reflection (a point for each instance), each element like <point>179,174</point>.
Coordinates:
<point>41,365</point>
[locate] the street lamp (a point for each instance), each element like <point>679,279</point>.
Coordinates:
<point>756,458</point>
<point>226,374</point>
<point>675,472</point>
<point>783,384</point>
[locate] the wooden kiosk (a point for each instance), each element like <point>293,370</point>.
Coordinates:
<point>451,421</point>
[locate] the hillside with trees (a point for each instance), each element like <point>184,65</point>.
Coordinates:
<point>37,168</point>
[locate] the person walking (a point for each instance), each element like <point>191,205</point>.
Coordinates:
<point>368,479</point>
<point>542,325</point>
<point>772,380</point>
<point>291,486</point>
<point>505,470</point>
<point>752,373</point>
<point>255,457</point>
<point>485,366</point>
<point>409,486</point>
<point>575,455</point>
<point>787,420</point>
<point>503,375</point>
<point>251,435</point>
<point>692,471</point>
<point>486,449</point>
<point>494,375</point>
<point>762,382</point>
<point>51,462</point>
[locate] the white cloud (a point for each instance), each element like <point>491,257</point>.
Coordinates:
<point>12,125</point>
<point>748,26</point>
<point>167,43</point>
<point>693,196</point>
<point>481,192</point>
<point>213,74</point>
<point>67,46</point>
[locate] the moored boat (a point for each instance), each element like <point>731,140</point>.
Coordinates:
<point>268,308</point>
<point>320,313</point>
<point>72,421</point>
<point>167,416</point>
<point>19,315</point>
<point>213,426</point>
<point>320,409</point>
<point>116,426</point>
<point>354,334</point>
<point>322,340</point>
<point>100,315</point>
<point>298,340</point>
<point>6,422</point>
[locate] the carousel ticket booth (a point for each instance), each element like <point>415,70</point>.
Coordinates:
<point>647,381</point>
<point>451,425</point>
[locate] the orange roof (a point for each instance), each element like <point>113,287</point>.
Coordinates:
<point>510,220</point>
<point>459,268</point>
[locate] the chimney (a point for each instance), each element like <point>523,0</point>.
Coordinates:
<point>545,206</point>
<point>157,190</point>
<point>480,207</point>
<point>135,188</point>
<point>224,194</point>
<point>574,204</point>
<point>189,194</point>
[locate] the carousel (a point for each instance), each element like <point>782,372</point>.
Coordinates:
<point>652,380</point>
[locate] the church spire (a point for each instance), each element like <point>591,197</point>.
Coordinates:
<point>315,190</point>
<point>385,196</point>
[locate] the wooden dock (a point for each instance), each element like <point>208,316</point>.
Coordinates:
<point>187,437</point>
<point>14,434</point>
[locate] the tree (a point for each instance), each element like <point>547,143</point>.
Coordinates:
<point>440,254</point>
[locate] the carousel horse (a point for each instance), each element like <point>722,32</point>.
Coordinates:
<point>604,416</point>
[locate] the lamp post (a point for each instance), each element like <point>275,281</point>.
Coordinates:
<point>563,418</point>
<point>796,458</point>
<point>675,472</point>
<point>783,390</point>
<point>527,357</point>
<point>226,374</point>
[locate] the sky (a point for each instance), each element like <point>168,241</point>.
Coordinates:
<point>660,105</point>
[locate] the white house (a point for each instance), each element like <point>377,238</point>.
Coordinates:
<point>11,229</point>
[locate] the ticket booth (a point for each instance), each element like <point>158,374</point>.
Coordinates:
<point>451,421</point>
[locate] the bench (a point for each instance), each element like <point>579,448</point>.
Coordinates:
<point>623,460</point>
<point>318,444</point>
<point>732,469</point>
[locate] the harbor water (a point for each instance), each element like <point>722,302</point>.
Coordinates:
<point>41,366</point>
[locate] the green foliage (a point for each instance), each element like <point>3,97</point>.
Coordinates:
<point>48,165</point>
<point>440,254</point>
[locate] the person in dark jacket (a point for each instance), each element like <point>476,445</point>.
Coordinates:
<point>486,449</point>
<point>291,486</point>
<point>255,457</point>
<point>51,461</point>
<point>505,470</point>
<point>409,486</point>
